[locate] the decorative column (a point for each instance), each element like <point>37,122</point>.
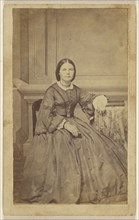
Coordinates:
<point>30,93</point>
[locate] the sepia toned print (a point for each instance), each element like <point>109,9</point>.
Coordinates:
<point>71,130</point>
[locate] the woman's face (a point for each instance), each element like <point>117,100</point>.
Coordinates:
<point>66,72</point>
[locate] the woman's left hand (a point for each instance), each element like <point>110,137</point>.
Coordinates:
<point>101,112</point>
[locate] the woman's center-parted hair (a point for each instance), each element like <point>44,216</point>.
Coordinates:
<point>60,63</point>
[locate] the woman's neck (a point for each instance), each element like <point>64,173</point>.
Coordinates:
<point>65,84</point>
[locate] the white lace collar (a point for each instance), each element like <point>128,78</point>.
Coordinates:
<point>63,87</point>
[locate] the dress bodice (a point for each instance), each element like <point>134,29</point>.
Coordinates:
<point>59,104</point>
<point>65,101</point>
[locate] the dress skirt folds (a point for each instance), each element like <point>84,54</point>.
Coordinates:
<point>61,168</point>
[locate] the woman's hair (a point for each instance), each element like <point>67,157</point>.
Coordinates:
<point>61,62</point>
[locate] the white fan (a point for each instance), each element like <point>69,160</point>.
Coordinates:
<point>100,103</point>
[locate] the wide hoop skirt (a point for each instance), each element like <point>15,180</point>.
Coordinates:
<point>63,169</point>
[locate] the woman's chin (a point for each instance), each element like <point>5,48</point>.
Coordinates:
<point>67,80</point>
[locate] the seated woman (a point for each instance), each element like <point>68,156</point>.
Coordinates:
<point>70,162</point>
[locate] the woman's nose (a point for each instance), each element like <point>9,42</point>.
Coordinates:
<point>68,71</point>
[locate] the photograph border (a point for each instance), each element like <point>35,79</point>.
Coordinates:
<point>11,209</point>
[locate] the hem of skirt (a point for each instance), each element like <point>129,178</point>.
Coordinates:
<point>117,199</point>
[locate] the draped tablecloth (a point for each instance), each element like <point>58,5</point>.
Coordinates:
<point>114,123</point>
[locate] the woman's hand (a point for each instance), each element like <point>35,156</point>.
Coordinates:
<point>72,129</point>
<point>101,112</point>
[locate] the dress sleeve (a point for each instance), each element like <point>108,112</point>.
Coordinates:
<point>86,103</point>
<point>48,114</point>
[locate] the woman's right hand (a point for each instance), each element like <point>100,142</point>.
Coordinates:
<point>71,128</point>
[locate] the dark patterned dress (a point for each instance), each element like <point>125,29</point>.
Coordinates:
<point>61,168</point>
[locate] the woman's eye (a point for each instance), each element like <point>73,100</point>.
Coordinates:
<point>71,69</point>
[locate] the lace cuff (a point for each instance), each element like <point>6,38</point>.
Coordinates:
<point>61,125</point>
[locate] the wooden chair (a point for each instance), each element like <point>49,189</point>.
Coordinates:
<point>35,109</point>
